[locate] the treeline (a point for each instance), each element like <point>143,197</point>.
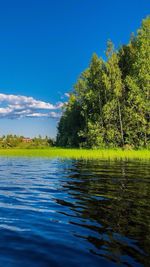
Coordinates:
<point>110,104</point>
<point>14,141</point>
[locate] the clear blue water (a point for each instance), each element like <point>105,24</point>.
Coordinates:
<point>74,213</point>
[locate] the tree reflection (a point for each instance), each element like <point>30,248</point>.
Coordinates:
<point>111,202</point>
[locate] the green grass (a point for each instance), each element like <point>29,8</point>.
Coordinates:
<point>106,154</point>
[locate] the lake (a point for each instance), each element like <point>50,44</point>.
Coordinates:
<point>74,213</point>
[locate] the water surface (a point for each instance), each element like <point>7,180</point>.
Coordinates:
<point>74,213</point>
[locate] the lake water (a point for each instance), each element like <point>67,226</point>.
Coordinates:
<point>74,213</point>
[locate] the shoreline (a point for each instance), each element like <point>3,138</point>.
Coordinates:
<point>101,154</point>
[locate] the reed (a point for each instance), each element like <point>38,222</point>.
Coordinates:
<point>106,154</point>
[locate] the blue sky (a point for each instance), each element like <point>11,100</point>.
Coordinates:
<point>45,44</point>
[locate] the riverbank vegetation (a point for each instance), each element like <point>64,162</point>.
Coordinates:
<point>14,141</point>
<point>110,104</point>
<point>109,109</point>
<point>103,154</point>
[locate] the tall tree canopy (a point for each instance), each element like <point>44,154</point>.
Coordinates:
<point>110,104</point>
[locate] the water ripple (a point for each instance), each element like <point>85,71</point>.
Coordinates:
<point>74,213</point>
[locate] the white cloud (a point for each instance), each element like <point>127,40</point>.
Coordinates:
<point>67,94</point>
<point>17,106</point>
<point>53,114</point>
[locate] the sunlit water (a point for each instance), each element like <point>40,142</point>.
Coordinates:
<point>74,213</point>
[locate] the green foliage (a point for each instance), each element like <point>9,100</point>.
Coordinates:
<point>14,141</point>
<point>70,124</point>
<point>110,104</point>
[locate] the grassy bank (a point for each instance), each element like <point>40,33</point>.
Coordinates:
<point>79,153</point>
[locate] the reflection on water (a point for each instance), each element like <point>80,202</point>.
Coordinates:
<point>74,213</point>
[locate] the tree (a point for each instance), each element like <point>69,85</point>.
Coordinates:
<point>137,83</point>
<point>110,104</point>
<point>70,124</point>
<point>114,107</point>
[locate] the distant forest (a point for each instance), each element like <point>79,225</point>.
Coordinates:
<point>14,141</point>
<point>110,103</point>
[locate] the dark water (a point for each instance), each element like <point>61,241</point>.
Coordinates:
<point>74,213</point>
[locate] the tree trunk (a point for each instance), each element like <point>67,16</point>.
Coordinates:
<point>121,127</point>
<point>100,109</point>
